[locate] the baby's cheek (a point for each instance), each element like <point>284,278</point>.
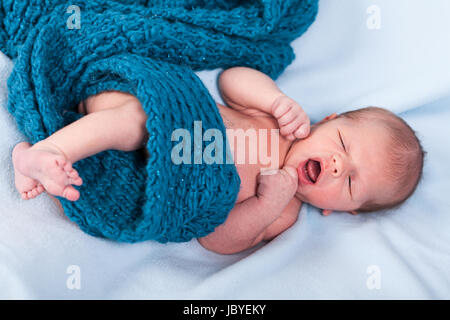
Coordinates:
<point>325,199</point>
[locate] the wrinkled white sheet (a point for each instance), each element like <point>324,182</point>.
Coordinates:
<point>341,64</point>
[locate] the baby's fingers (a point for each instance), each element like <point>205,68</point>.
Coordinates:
<point>287,118</point>
<point>290,137</point>
<point>291,127</point>
<point>302,131</point>
<point>291,171</point>
<point>281,110</point>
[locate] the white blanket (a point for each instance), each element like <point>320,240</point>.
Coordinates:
<point>342,63</point>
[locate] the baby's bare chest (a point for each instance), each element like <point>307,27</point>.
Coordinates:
<point>255,144</point>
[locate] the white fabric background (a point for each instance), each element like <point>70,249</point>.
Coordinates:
<point>341,65</point>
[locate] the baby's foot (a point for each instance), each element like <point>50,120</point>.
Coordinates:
<point>43,166</point>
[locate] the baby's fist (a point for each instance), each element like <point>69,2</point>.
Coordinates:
<point>293,121</point>
<point>277,187</point>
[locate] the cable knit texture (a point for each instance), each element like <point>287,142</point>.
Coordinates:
<point>151,50</point>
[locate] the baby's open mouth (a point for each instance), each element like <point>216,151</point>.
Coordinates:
<point>312,170</point>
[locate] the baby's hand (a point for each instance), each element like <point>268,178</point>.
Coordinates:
<point>293,121</point>
<point>278,188</point>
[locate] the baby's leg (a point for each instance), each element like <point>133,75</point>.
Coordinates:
<point>48,163</point>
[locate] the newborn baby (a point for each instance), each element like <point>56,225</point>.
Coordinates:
<point>359,161</point>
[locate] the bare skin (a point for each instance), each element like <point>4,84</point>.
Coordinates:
<point>44,167</point>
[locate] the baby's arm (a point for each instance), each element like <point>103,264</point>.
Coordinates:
<point>261,217</point>
<point>248,90</point>
<point>287,218</point>
<point>256,94</point>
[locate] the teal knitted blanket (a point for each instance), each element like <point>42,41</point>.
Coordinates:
<point>62,54</point>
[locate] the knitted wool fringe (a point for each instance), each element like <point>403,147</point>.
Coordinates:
<point>151,50</point>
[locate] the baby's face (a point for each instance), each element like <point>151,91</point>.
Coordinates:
<point>340,164</point>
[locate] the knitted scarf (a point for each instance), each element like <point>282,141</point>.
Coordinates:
<point>150,48</point>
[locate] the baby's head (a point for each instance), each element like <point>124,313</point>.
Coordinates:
<point>359,161</point>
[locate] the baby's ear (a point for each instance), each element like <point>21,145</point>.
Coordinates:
<point>327,118</point>
<point>326,212</point>
<point>330,117</point>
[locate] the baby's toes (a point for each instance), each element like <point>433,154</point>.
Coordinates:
<point>70,193</point>
<point>30,194</point>
<point>33,193</point>
<point>67,167</point>
<point>61,161</point>
<point>37,190</point>
<point>74,178</point>
<point>72,174</point>
<point>77,181</point>
<point>40,188</point>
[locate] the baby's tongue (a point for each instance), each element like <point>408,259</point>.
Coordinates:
<point>313,168</point>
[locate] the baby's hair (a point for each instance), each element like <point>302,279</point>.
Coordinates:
<point>405,156</point>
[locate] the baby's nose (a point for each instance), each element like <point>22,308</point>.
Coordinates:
<point>336,166</point>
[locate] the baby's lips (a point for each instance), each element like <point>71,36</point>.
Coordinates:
<point>303,180</point>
